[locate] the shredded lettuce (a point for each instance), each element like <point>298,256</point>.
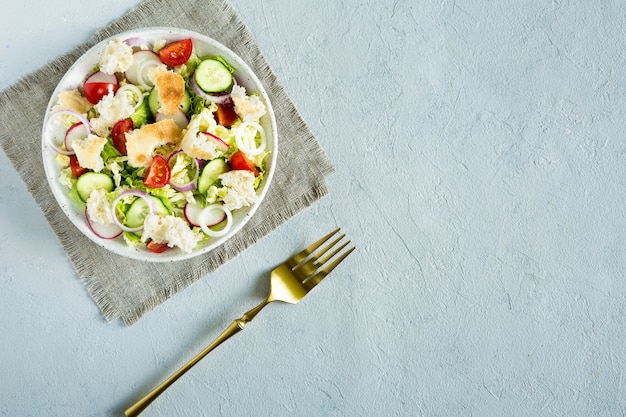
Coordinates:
<point>183,169</point>
<point>66,178</point>
<point>188,67</point>
<point>109,151</point>
<point>133,239</point>
<point>75,197</point>
<point>142,115</point>
<point>224,62</point>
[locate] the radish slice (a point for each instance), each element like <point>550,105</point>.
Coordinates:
<point>50,136</point>
<point>241,134</point>
<point>220,145</point>
<point>104,231</point>
<point>180,118</point>
<point>191,185</point>
<point>77,131</point>
<point>212,212</point>
<point>135,90</point>
<point>194,212</point>
<point>100,77</point>
<point>215,98</point>
<point>143,62</point>
<point>136,193</point>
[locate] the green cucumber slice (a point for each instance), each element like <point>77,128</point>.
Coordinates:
<point>210,172</point>
<point>139,209</point>
<point>90,181</point>
<point>212,76</point>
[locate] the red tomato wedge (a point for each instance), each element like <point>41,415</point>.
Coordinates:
<point>225,114</point>
<point>118,134</point>
<point>176,53</point>
<point>158,173</point>
<point>157,247</point>
<point>98,85</point>
<point>239,160</point>
<point>77,170</point>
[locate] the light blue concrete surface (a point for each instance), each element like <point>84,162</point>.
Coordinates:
<point>481,170</point>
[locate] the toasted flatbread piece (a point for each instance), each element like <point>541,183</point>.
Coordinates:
<point>88,152</point>
<point>141,143</point>
<point>171,89</point>
<point>73,100</point>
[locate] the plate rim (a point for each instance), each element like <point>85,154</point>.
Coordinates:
<point>117,246</point>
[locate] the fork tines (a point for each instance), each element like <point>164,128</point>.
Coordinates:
<point>313,263</point>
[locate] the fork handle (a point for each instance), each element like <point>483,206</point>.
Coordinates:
<point>234,328</point>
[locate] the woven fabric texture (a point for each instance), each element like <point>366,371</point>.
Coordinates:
<point>299,179</point>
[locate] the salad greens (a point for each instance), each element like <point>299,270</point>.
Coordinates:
<point>126,119</point>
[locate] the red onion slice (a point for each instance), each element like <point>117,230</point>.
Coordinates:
<point>191,185</point>
<point>139,43</point>
<point>136,193</point>
<point>172,155</point>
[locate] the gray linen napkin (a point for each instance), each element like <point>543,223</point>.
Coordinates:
<point>130,296</point>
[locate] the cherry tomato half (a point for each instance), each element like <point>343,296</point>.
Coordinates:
<point>158,173</point>
<point>118,134</point>
<point>95,91</point>
<point>225,114</point>
<point>239,160</point>
<point>98,84</point>
<point>77,170</point>
<point>157,247</point>
<point>176,53</point>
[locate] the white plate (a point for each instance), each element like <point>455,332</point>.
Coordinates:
<point>203,46</point>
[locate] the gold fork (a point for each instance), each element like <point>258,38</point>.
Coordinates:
<point>289,282</point>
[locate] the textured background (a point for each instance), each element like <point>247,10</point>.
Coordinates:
<point>481,171</point>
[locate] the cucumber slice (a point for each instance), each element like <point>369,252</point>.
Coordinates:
<point>90,181</point>
<point>153,101</point>
<point>210,172</point>
<point>155,104</point>
<point>212,76</point>
<point>139,209</point>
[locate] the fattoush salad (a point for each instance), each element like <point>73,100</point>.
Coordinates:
<point>159,146</point>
